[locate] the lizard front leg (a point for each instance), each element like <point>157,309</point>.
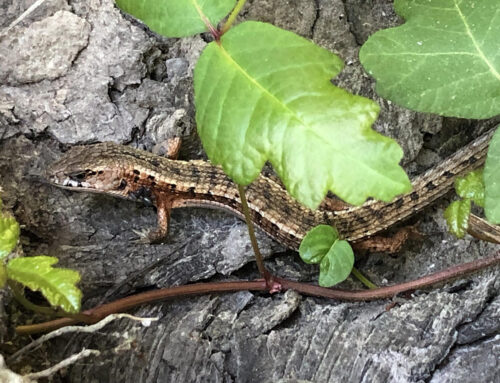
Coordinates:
<point>163,204</point>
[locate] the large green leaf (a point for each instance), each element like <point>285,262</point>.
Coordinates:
<point>265,94</point>
<point>9,234</point>
<point>56,285</point>
<point>492,180</point>
<point>177,18</point>
<point>445,59</point>
<point>336,258</point>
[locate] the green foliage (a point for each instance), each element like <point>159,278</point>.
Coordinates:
<point>264,94</point>
<point>56,285</point>
<point>443,60</point>
<point>177,18</point>
<point>336,265</point>
<point>457,217</point>
<point>492,180</point>
<point>336,258</point>
<point>471,187</point>
<point>317,243</point>
<point>480,187</point>
<point>9,234</point>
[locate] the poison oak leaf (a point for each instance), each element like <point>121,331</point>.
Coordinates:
<point>177,18</point>
<point>57,285</point>
<point>264,94</point>
<point>444,59</point>
<point>491,177</point>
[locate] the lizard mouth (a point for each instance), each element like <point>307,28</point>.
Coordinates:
<point>72,183</point>
<point>69,182</point>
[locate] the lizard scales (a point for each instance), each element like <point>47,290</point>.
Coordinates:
<point>139,175</point>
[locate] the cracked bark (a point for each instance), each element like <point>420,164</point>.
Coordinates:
<point>242,336</point>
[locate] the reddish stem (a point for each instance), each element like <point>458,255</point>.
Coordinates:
<point>279,284</point>
<point>124,304</point>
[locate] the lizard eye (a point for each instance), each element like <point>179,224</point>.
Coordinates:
<point>77,176</point>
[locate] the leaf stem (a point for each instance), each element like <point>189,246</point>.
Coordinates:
<point>251,233</point>
<point>232,16</point>
<point>363,279</point>
<point>124,304</point>
<point>215,33</point>
<point>19,296</point>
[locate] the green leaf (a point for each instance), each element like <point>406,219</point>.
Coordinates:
<point>471,186</point>
<point>56,285</point>
<point>336,265</point>
<point>336,258</point>
<point>443,60</point>
<point>177,18</point>
<point>264,94</point>
<point>492,180</point>
<point>9,234</point>
<point>457,217</point>
<point>317,243</point>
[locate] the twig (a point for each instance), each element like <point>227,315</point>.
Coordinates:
<point>63,364</point>
<point>483,230</point>
<point>390,291</point>
<point>127,303</point>
<point>79,329</point>
<point>124,304</point>
<point>25,14</point>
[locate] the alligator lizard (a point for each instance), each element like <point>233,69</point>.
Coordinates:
<point>134,174</point>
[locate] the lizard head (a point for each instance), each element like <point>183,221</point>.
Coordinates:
<point>87,168</point>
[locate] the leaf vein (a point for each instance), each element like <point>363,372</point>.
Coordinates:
<point>476,45</point>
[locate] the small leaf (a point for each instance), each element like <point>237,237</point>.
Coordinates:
<point>317,243</point>
<point>56,285</point>
<point>9,234</point>
<point>336,258</point>
<point>336,265</point>
<point>492,180</point>
<point>471,186</point>
<point>457,217</point>
<point>177,18</point>
<point>264,94</point>
<point>443,60</point>
<point>3,275</point>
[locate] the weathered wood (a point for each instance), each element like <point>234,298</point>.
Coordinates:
<point>129,84</point>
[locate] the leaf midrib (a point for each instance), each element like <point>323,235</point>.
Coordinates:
<point>474,42</point>
<point>292,112</point>
<point>198,9</point>
<point>39,283</point>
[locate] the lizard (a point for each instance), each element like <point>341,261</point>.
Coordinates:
<point>138,175</point>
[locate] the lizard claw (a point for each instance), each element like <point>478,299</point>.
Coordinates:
<point>142,236</point>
